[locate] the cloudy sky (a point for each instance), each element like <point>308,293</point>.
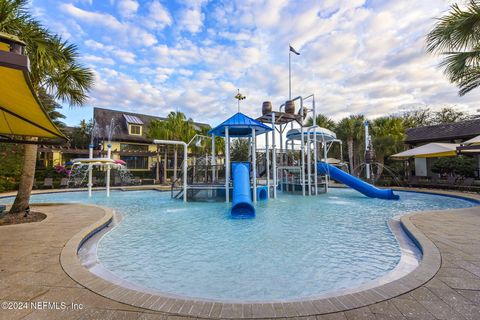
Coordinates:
<point>156,56</point>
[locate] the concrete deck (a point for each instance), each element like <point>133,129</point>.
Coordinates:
<point>30,270</point>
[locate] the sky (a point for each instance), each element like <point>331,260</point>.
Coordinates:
<point>157,56</point>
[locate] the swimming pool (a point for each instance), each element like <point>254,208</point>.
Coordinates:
<point>296,247</point>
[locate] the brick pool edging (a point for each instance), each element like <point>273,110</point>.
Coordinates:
<point>70,262</point>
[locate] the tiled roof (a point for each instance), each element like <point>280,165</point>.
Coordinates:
<point>462,130</point>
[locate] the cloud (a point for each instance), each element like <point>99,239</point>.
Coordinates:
<point>357,56</point>
<point>128,33</point>
<point>191,17</point>
<point>97,60</point>
<point>158,16</point>
<point>127,8</point>
<point>122,55</point>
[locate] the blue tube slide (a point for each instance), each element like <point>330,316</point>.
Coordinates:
<point>355,183</point>
<point>242,194</point>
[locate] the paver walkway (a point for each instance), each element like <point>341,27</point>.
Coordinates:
<point>30,271</point>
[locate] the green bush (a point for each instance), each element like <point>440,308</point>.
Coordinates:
<point>10,166</point>
<point>455,166</point>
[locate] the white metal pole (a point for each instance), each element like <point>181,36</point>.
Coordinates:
<point>367,165</point>
<point>315,172</point>
<point>303,148</point>
<point>274,159</point>
<point>254,164</point>
<point>325,160</point>
<point>109,156</point>
<point>227,166</point>
<point>213,158</point>
<point>309,164</point>
<point>289,75</point>
<point>267,155</point>
<point>185,168</point>
<point>90,156</point>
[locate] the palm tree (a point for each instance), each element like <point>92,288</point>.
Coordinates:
<point>322,121</point>
<point>54,70</point>
<point>176,127</point>
<point>350,129</point>
<point>457,37</point>
<point>387,138</point>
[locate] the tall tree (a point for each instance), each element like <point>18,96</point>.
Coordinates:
<point>175,127</point>
<point>416,118</point>
<point>54,70</point>
<point>449,115</point>
<point>351,130</point>
<point>456,36</point>
<point>387,138</point>
<point>322,121</point>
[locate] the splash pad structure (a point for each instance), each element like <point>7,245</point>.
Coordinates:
<point>87,164</point>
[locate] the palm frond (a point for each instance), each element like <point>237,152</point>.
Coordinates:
<point>458,30</point>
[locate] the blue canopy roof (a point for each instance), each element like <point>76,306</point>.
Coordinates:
<point>239,125</point>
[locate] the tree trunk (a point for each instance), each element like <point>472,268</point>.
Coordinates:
<point>350,155</point>
<point>26,179</point>
<point>175,160</point>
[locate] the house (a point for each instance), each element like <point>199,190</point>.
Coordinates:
<point>448,133</point>
<point>126,132</point>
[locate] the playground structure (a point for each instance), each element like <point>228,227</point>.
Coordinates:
<point>297,165</point>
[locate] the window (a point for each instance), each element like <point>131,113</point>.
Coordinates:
<point>134,162</point>
<point>134,129</point>
<point>133,147</point>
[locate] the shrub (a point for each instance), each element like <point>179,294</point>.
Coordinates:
<point>455,166</point>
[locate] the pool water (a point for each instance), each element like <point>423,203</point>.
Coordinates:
<point>295,247</point>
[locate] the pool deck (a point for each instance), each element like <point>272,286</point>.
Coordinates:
<point>38,263</point>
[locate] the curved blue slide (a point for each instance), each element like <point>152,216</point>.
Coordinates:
<point>355,183</point>
<point>241,195</point>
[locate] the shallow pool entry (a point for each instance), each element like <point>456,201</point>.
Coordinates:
<point>295,247</point>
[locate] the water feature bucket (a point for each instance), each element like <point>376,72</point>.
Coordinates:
<point>266,107</point>
<point>290,107</point>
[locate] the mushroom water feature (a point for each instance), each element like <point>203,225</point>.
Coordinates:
<point>101,162</point>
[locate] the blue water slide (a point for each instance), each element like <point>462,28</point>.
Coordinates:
<point>355,183</point>
<point>242,194</point>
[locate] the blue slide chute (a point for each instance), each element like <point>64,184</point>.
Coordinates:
<point>355,183</point>
<point>241,195</point>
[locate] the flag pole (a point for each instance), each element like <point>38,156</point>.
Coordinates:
<point>289,74</point>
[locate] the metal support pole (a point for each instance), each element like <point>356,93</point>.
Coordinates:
<point>274,159</point>
<point>315,172</point>
<point>289,75</point>
<point>227,166</point>
<point>309,164</point>
<point>90,168</point>
<point>185,168</point>
<point>213,158</point>
<point>367,142</point>
<point>303,149</point>
<point>325,160</point>
<point>267,155</point>
<point>254,165</point>
<point>109,156</point>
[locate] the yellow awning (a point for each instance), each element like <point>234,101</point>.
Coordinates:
<point>21,113</point>
<point>430,150</point>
